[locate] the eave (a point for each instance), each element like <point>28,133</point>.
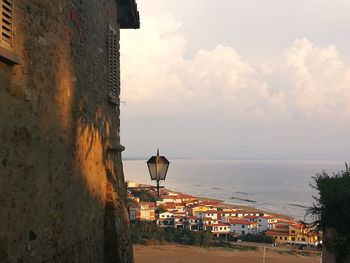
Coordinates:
<point>128,15</point>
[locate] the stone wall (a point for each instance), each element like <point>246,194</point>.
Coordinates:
<point>62,191</point>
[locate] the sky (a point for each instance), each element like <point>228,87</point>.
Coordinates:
<point>237,79</point>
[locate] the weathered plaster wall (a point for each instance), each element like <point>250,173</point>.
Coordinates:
<point>62,193</point>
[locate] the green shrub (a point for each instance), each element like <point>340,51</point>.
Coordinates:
<point>332,212</point>
<point>257,238</point>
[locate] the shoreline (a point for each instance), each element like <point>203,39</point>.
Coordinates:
<point>243,207</point>
<point>223,204</point>
<point>238,206</point>
<point>285,190</point>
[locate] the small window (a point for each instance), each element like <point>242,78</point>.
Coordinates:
<point>113,64</point>
<point>6,21</point>
<point>6,33</point>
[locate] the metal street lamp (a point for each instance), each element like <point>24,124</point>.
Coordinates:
<point>158,167</point>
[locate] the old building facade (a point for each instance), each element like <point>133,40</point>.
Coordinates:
<point>62,191</point>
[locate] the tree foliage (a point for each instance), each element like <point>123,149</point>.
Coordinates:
<point>160,209</point>
<point>332,211</point>
<point>143,232</point>
<point>257,238</point>
<point>145,195</point>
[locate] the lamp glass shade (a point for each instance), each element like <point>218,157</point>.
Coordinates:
<point>158,167</point>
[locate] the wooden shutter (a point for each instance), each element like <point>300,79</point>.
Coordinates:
<point>113,64</point>
<point>6,23</point>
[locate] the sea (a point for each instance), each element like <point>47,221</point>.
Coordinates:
<point>278,186</point>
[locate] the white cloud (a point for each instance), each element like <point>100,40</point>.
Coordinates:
<point>157,75</point>
<point>155,72</point>
<point>260,96</point>
<point>321,81</point>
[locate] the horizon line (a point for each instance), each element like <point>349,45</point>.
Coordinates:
<point>240,159</point>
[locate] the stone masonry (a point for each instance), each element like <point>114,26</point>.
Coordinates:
<point>62,190</point>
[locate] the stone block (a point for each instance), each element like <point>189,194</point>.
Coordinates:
<point>3,248</point>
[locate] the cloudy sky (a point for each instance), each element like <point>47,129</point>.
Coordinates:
<point>242,79</point>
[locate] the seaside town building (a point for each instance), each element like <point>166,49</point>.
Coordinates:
<point>294,233</point>
<point>213,214</point>
<point>259,223</point>
<point>223,221</point>
<point>166,219</point>
<point>180,222</point>
<point>209,221</point>
<point>194,223</point>
<point>240,226</point>
<point>144,211</point>
<point>165,215</point>
<point>62,189</point>
<point>218,229</point>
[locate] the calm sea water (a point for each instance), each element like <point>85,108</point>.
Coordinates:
<point>276,186</point>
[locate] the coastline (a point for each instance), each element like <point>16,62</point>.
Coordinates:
<point>223,204</point>
<point>281,187</point>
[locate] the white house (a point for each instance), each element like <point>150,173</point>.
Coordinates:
<point>180,222</point>
<point>258,224</point>
<point>194,223</point>
<point>219,229</point>
<point>209,221</point>
<point>240,226</point>
<point>272,222</point>
<point>216,215</point>
<point>165,215</point>
<point>166,219</point>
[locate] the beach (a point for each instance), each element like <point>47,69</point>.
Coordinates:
<point>275,186</point>
<point>187,254</point>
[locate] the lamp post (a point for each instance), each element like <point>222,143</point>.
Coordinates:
<point>158,167</point>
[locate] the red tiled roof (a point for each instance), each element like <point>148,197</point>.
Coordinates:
<point>209,203</point>
<point>276,233</point>
<point>186,196</point>
<point>219,224</point>
<point>298,225</point>
<point>180,213</point>
<point>169,205</point>
<point>239,221</point>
